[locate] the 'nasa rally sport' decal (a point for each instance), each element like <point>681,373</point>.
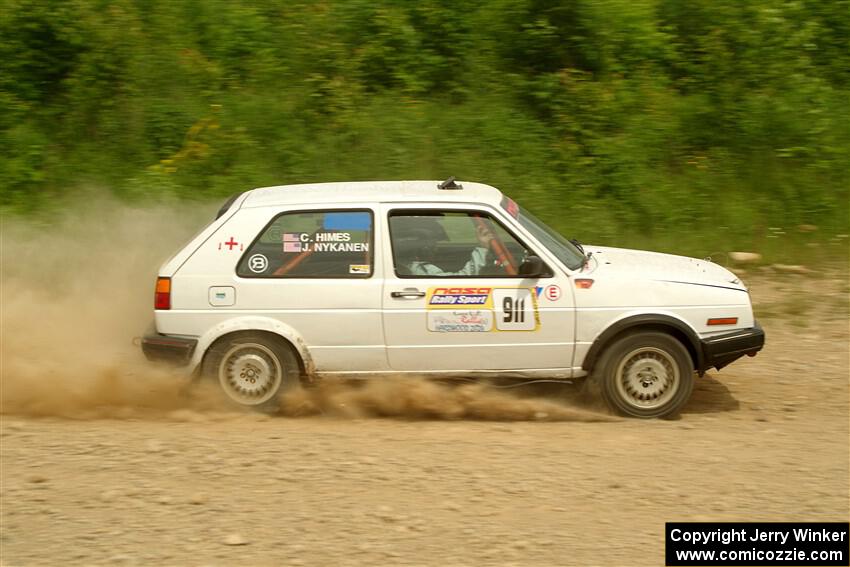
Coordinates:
<point>452,297</point>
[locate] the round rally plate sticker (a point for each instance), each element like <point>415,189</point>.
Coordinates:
<point>258,263</point>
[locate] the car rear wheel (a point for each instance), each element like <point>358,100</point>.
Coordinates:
<point>253,369</point>
<point>646,374</point>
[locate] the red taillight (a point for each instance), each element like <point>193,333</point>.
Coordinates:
<point>162,296</point>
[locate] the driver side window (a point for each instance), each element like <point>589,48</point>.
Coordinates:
<point>453,244</point>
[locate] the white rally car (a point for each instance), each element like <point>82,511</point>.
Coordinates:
<point>297,282</point>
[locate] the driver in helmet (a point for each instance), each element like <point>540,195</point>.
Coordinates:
<point>421,263</point>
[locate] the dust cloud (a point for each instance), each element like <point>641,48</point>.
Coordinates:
<point>74,291</point>
<point>404,397</point>
<point>77,288</point>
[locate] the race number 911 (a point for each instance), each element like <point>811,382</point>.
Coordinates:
<point>515,310</point>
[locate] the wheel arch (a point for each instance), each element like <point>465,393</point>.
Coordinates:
<point>646,322</point>
<point>274,329</point>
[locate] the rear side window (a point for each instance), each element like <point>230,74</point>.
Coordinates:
<point>314,244</point>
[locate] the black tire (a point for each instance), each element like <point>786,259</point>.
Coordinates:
<point>253,369</point>
<point>645,374</point>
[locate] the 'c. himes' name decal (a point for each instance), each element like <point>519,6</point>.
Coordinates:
<point>322,242</point>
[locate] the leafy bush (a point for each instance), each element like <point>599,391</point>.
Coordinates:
<point>696,124</point>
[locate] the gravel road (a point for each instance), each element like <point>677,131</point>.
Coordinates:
<point>105,460</point>
<point>141,475</point>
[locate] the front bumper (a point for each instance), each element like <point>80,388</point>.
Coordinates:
<point>176,350</point>
<point>721,350</point>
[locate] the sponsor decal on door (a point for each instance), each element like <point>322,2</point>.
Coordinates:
<point>454,297</point>
<point>487,309</point>
<point>466,321</point>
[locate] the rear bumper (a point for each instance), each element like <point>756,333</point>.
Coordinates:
<point>176,350</point>
<point>721,350</point>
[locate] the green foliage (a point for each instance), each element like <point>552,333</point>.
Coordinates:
<point>695,124</point>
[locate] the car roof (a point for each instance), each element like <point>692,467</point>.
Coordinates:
<point>371,192</point>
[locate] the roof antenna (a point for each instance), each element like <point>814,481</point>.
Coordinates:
<point>449,184</point>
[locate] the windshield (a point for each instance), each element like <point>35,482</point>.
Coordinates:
<point>562,248</point>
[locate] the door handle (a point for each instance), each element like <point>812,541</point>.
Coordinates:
<point>408,293</point>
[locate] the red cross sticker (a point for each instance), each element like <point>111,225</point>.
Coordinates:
<point>230,244</point>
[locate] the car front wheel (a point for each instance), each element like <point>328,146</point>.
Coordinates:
<point>645,374</point>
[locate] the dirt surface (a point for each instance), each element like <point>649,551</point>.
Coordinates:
<point>107,461</point>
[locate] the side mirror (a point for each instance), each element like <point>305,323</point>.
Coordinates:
<point>532,267</point>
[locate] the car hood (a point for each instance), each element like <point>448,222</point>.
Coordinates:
<point>639,264</point>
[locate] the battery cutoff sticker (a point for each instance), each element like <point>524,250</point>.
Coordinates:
<point>481,309</point>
